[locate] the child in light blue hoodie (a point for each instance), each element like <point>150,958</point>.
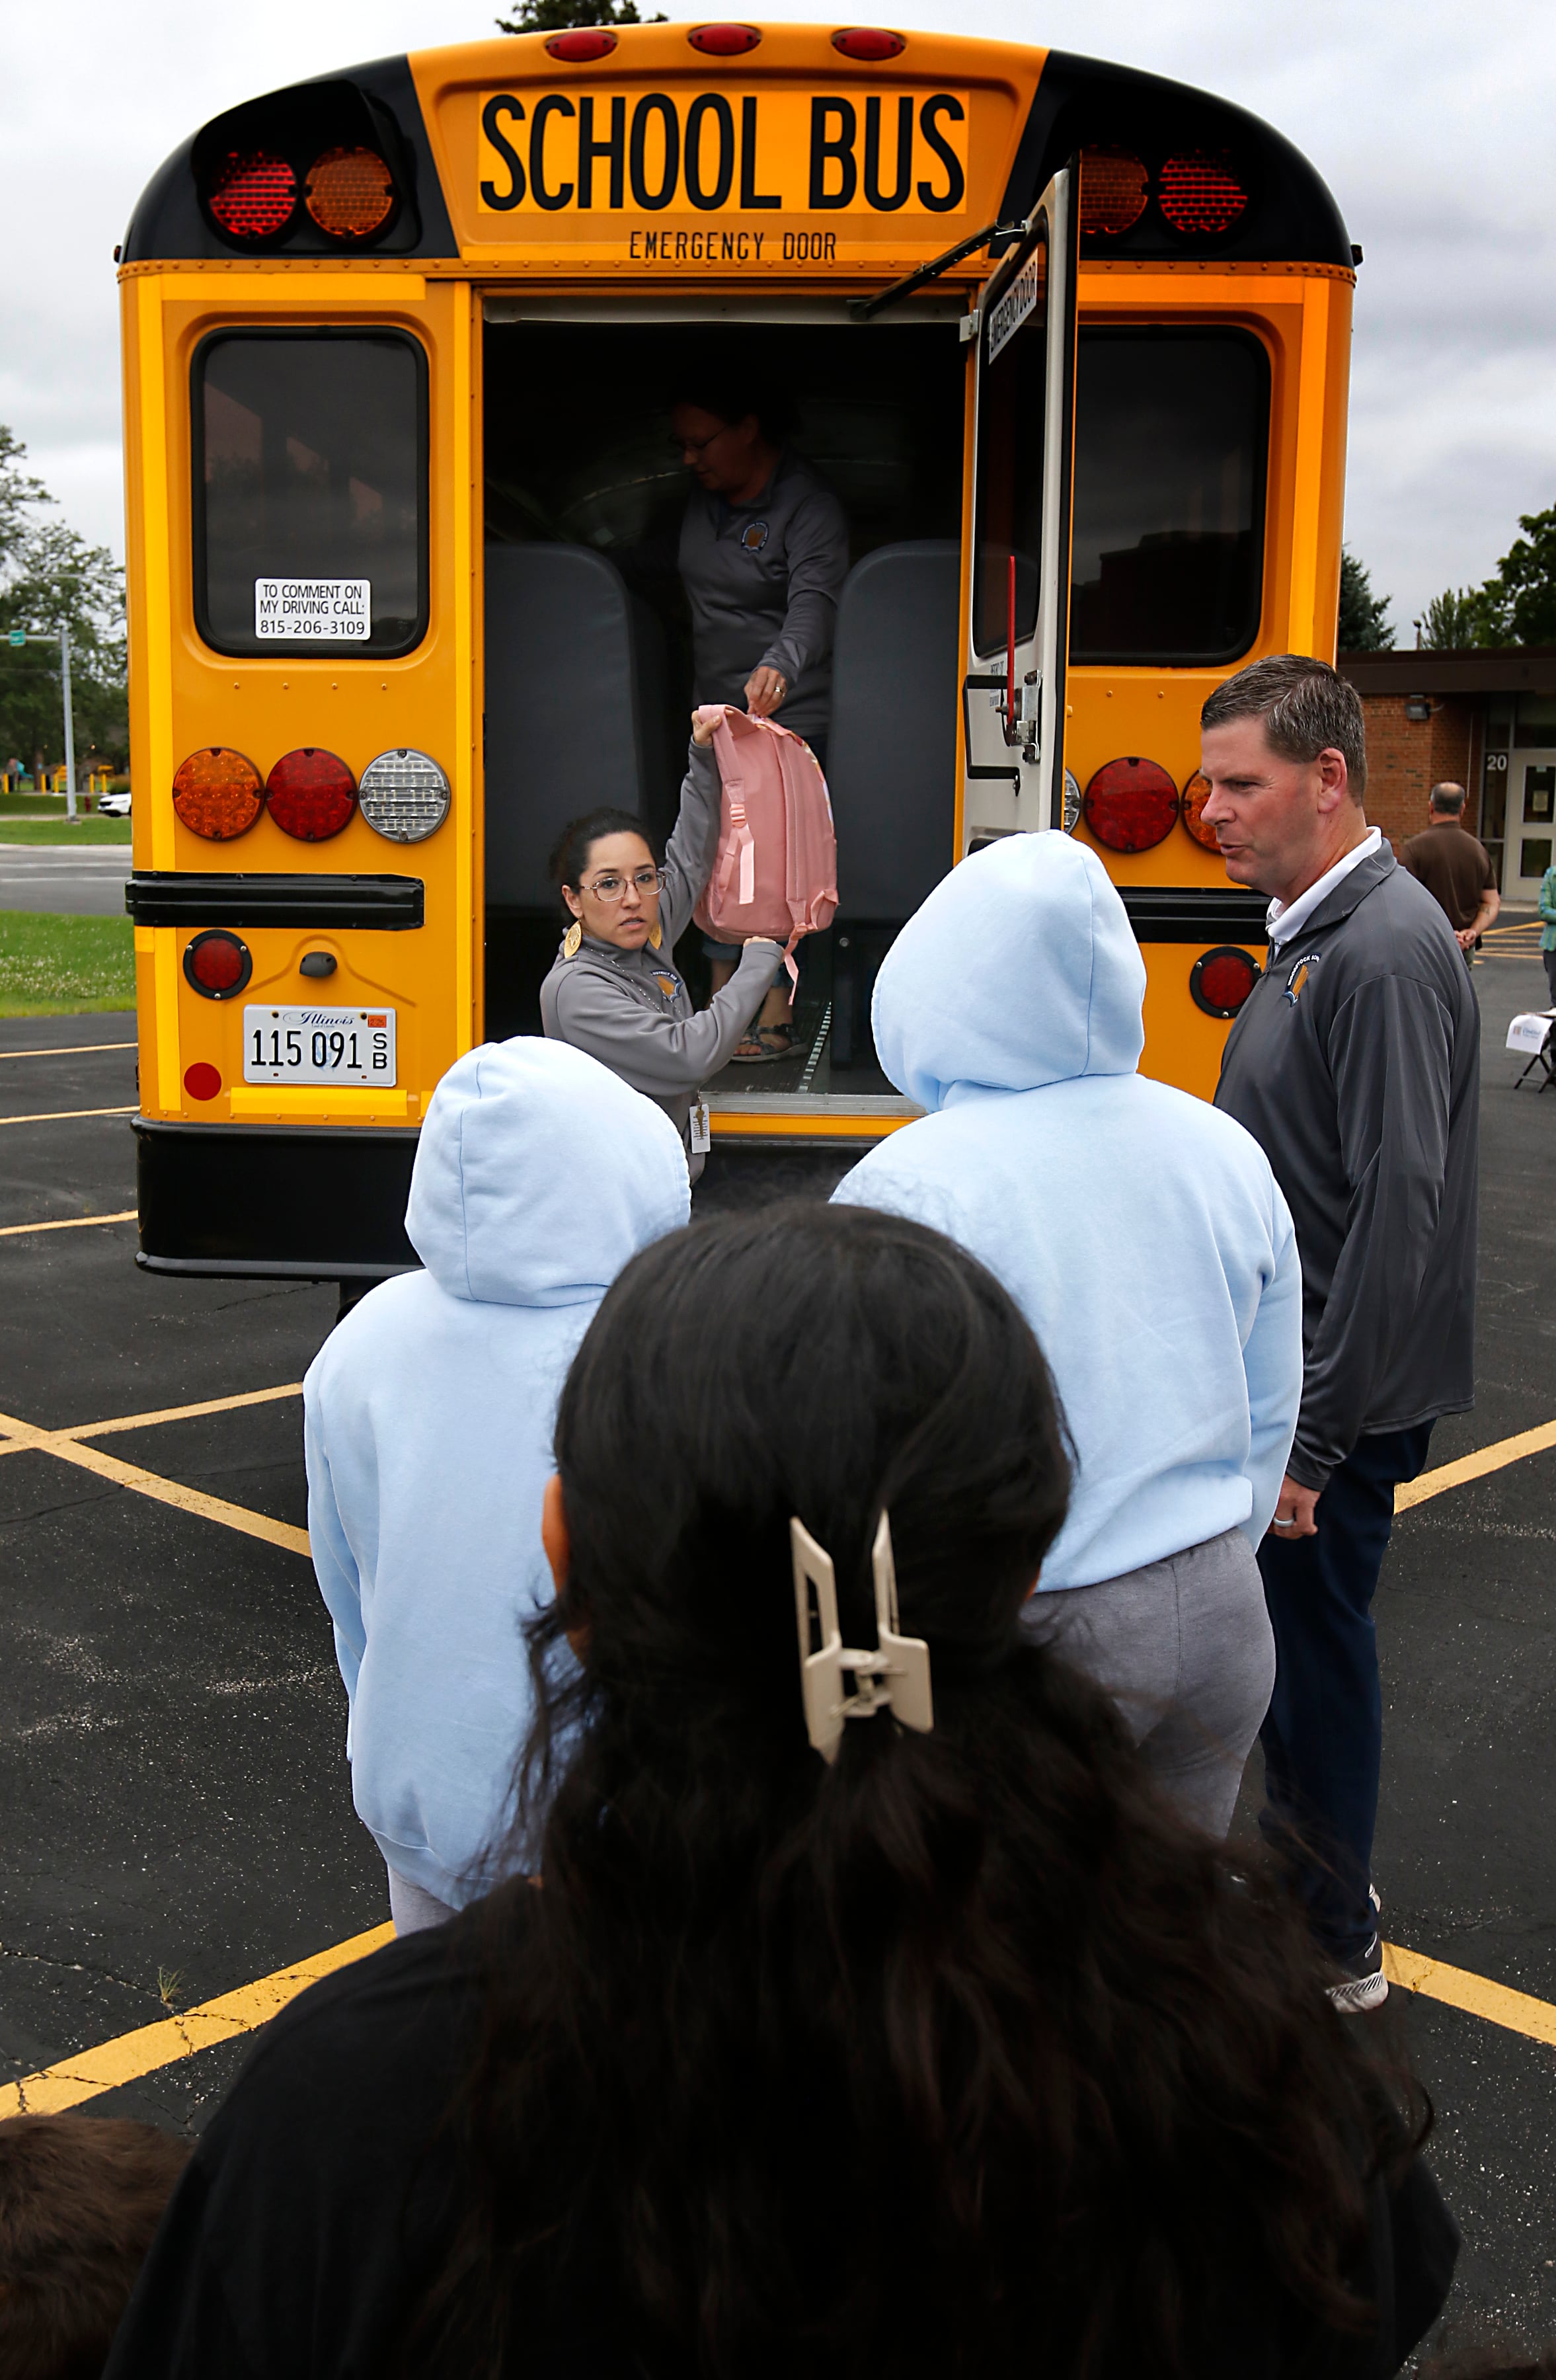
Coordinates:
<point>1150,1250</point>
<point>429,1416</point>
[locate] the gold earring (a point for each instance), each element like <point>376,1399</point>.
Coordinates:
<point>572,940</point>
<point>655,939</point>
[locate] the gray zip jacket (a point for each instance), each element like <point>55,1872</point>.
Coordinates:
<point>1355,1064</point>
<point>763,580</point>
<point>631,1010</point>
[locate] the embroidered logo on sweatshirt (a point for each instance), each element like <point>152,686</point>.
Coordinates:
<point>667,984</point>
<point>753,537</point>
<point>1297,980</point>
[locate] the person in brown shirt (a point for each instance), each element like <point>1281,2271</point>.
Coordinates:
<point>1454,867</point>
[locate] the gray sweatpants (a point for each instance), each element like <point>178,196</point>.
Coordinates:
<point>1185,1649</point>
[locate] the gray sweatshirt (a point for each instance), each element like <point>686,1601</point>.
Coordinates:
<point>763,580</point>
<point>631,1010</point>
<point>1355,1064</point>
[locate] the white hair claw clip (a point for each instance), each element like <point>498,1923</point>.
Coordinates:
<point>896,1677</point>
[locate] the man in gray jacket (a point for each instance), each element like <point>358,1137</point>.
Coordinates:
<point>1355,1065</point>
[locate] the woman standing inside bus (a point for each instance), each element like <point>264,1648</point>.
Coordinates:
<point>615,991</point>
<point>763,556</point>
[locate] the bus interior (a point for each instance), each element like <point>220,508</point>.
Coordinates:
<point>589,664</point>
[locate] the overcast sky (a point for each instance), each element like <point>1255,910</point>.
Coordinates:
<point>1432,122</point>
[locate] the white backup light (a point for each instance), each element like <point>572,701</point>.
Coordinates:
<point>404,795</point>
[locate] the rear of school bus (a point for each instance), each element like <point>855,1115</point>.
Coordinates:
<point>400,347</point>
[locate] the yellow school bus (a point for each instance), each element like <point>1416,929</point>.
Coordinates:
<point>1070,343</point>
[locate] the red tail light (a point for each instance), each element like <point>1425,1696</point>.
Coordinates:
<point>575,49</point>
<point>350,193</point>
<point>1199,193</point>
<point>868,42</point>
<point>724,40</point>
<point>217,794</point>
<point>1113,190</point>
<point>1220,981</point>
<point>252,195</point>
<point>1197,793</point>
<point>219,966</point>
<point>1130,805</point>
<point>310,794</point>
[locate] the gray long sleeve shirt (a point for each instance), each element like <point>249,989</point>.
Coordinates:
<point>1355,1064</point>
<point>763,580</point>
<point>631,1010</point>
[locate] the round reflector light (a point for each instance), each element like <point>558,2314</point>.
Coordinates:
<point>218,965</point>
<point>577,48</point>
<point>201,1082</point>
<point>350,193</point>
<point>1113,190</point>
<point>404,795</point>
<point>870,41</point>
<point>252,194</point>
<point>217,794</point>
<point>1200,193</point>
<point>1130,805</point>
<point>1220,981</point>
<point>310,794</point>
<point>724,40</point>
<point>1197,793</point>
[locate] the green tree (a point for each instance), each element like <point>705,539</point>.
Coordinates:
<point>1364,625</point>
<point>19,492</point>
<point>1453,620</point>
<point>1518,606</point>
<point>50,578</point>
<point>562,15</point>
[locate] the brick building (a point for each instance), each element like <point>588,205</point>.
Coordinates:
<point>1487,720</point>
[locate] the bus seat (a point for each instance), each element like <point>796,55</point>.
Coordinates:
<point>566,711</point>
<point>892,747</point>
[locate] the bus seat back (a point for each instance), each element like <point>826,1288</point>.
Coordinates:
<point>892,748</point>
<point>564,708</point>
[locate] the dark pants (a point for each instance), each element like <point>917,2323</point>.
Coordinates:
<point>1550,958</point>
<point>1323,1737</point>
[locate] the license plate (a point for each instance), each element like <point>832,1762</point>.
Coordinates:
<point>318,1045</point>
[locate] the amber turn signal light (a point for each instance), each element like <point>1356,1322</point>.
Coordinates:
<point>1197,793</point>
<point>217,794</point>
<point>350,193</point>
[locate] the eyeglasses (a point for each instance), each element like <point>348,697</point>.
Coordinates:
<point>698,447</point>
<point>611,889</point>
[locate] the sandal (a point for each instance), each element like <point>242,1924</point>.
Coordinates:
<point>765,1045</point>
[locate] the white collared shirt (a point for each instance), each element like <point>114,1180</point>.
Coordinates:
<point>1283,919</point>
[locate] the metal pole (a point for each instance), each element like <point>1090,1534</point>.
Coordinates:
<point>70,726</point>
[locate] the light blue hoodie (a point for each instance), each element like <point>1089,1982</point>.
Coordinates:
<point>1145,1240</point>
<point>429,1416</point>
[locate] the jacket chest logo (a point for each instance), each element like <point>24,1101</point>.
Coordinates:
<point>754,536</point>
<point>667,984</point>
<point>1297,980</point>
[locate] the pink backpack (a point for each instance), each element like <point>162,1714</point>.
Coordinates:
<point>776,870</point>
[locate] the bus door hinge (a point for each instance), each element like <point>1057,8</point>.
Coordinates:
<point>968,325</point>
<point>1030,714</point>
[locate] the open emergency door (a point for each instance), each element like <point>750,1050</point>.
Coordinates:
<point>1018,553</point>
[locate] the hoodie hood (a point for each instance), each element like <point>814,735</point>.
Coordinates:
<point>1020,969</point>
<point>538,1174</point>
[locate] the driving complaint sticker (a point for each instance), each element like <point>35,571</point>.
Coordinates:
<point>725,151</point>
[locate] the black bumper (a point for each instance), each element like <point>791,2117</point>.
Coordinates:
<point>305,1202</point>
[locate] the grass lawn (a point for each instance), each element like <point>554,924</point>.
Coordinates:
<point>65,967</point>
<point>57,831</point>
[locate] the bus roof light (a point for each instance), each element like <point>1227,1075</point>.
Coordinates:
<point>350,193</point>
<point>217,794</point>
<point>872,42</point>
<point>252,194</point>
<point>1114,187</point>
<point>1130,805</point>
<point>1199,194</point>
<point>577,48</point>
<point>1197,793</point>
<point>1220,981</point>
<point>404,795</point>
<point>218,965</point>
<point>724,40</point>
<point>310,794</point>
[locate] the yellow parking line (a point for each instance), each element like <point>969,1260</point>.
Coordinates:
<point>66,1222</point>
<point>154,2045</point>
<point>180,1412</point>
<point>1457,1987</point>
<point>67,1115</point>
<point>1474,1466</point>
<point>71,1050</point>
<point>22,1436</point>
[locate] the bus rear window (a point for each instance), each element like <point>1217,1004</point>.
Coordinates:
<point>1171,431</point>
<point>310,492</point>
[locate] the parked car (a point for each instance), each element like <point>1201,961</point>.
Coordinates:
<point>114,805</point>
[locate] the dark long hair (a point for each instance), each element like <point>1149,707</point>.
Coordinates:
<point>569,853</point>
<point>962,2056</point>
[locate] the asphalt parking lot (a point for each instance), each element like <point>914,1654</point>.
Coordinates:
<point>176,1804</point>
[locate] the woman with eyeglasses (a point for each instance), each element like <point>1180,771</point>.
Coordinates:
<point>616,990</point>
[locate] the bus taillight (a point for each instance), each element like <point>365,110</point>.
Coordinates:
<point>217,794</point>
<point>350,193</point>
<point>872,42</point>
<point>1114,187</point>
<point>252,196</point>
<point>1199,194</point>
<point>1220,981</point>
<point>1130,805</point>
<point>218,965</point>
<point>311,794</point>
